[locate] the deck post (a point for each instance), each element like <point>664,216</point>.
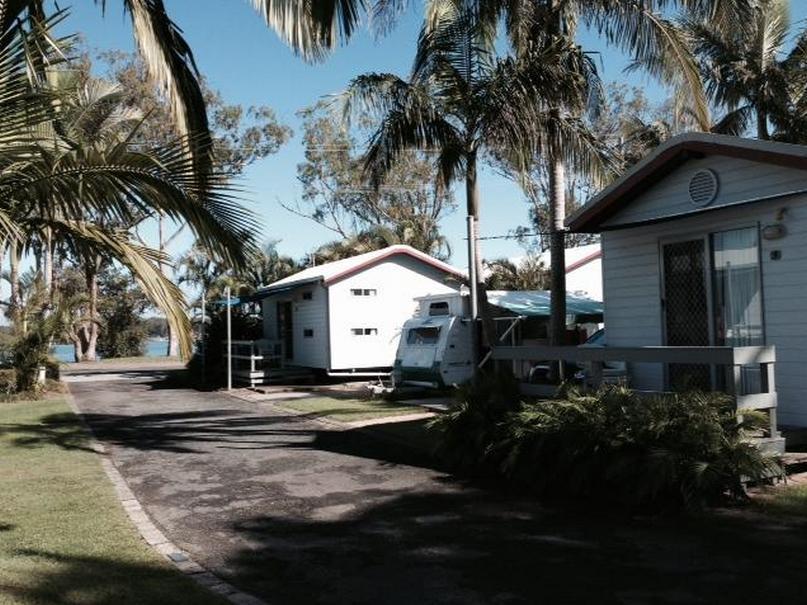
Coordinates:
<point>596,374</point>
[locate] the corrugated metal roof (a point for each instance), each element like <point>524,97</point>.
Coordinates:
<point>536,303</point>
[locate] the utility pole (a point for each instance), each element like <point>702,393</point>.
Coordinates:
<point>472,277</point>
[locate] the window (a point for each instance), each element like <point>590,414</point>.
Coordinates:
<point>438,308</point>
<point>425,335</point>
<point>308,295</point>
<point>364,291</point>
<point>308,333</point>
<point>364,331</point>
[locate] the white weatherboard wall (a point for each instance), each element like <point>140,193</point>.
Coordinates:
<point>398,280</point>
<point>632,273</point>
<point>307,314</point>
<point>739,181</point>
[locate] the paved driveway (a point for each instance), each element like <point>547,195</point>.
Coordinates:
<point>296,513</point>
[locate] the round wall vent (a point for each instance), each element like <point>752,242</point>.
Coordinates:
<point>703,187</point>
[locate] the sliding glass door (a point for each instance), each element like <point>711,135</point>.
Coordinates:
<point>737,288</point>
<point>737,295</point>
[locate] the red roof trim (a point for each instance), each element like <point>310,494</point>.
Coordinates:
<point>584,261</point>
<point>424,258</point>
<point>591,216</point>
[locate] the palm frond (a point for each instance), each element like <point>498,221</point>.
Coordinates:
<point>171,66</point>
<point>656,44</point>
<point>313,28</point>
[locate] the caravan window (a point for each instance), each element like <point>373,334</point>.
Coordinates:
<point>425,335</point>
<point>438,308</point>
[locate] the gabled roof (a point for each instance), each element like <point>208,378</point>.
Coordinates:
<point>669,156</point>
<point>329,273</point>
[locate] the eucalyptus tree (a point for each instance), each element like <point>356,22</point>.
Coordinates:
<point>406,208</point>
<point>54,181</point>
<point>463,100</point>
<point>750,74</point>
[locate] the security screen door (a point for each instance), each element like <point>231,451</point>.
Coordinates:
<point>686,310</point>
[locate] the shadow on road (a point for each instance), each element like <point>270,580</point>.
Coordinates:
<point>190,432</point>
<point>474,547</point>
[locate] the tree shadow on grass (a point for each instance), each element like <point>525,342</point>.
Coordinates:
<point>58,579</point>
<point>190,432</point>
<point>63,430</point>
<point>475,547</point>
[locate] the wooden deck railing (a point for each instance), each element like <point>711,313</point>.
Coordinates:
<point>252,359</point>
<point>730,360</point>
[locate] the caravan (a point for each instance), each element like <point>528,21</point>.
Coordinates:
<point>435,348</point>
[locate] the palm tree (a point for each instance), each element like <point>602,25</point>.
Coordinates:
<point>746,70</point>
<point>528,274</point>
<point>200,270</point>
<point>655,44</point>
<point>311,27</point>
<point>55,182</point>
<point>462,100</point>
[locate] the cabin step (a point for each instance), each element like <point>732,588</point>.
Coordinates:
<point>795,462</point>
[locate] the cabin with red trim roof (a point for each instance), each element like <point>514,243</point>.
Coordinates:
<point>346,316</point>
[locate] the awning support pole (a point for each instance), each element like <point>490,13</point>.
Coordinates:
<point>229,343</point>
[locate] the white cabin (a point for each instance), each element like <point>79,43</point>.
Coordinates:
<point>704,243</point>
<point>346,316</point>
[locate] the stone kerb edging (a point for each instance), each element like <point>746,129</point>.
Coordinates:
<point>151,533</point>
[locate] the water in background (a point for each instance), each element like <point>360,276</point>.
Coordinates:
<point>155,347</point>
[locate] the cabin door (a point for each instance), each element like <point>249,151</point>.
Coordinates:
<point>686,309</point>
<point>285,328</point>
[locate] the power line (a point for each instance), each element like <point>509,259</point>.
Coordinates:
<point>513,235</point>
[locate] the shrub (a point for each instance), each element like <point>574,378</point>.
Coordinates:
<point>211,371</point>
<point>650,452</point>
<point>470,427</point>
<point>8,382</point>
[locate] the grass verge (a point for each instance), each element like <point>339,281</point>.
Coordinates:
<point>64,538</point>
<point>348,410</point>
<point>784,500</point>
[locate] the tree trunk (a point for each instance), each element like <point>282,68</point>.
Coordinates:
<point>88,334</point>
<point>173,341</point>
<point>557,251</point>
<point>15,303</point>
<point>472,205</point>
<point>47,266</point>
<point>762,125</point>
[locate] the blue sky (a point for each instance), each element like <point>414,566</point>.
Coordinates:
<point>245,60</point>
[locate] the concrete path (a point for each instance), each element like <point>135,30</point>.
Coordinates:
<point>296,513</point>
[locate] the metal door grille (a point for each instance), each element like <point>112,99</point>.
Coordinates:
<point>686,310</point>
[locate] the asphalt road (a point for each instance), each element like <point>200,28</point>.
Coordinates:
<point>294,512</point>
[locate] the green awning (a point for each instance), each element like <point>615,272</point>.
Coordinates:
<point>536,303</point>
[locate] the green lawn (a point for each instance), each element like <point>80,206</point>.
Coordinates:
<point>349,410</point>
<point>64,538</point>
<point>784,500</point>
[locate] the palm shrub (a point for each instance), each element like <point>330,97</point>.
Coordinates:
<point>30,351</point>
<point>679,449</point>
<point>468,430</point>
